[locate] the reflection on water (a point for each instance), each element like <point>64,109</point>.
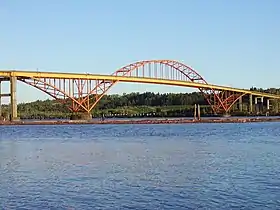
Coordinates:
<point>204,166</point>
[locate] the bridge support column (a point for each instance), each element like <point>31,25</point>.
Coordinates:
<point>259,106</point>
<point>256,100</point>
<point>0,99</point>
<point>256,105</point>
<point>194,112</point>
<point>13,101</point>
<point>251,103</point>
<point>262,106</point>
<point>267,104</point>
<point>240,104</point>
<point>198,112</point>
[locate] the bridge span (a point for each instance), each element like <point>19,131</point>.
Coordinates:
<point>82,92</point>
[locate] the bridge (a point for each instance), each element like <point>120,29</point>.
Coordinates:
<point>82,92</point>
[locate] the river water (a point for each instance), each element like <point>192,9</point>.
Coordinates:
<point>190,166</point>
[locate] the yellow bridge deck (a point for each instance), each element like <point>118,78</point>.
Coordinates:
<point>33,74</point>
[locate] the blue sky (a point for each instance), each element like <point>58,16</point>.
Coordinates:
<point>232,43</point>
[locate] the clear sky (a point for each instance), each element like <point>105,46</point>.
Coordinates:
<point>232,43</point>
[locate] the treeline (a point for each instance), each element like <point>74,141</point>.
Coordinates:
<point>125,105</point>
<point>151,99</point>
<point>128,105</point>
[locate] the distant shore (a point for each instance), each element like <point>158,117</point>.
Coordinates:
<point>143,121</point>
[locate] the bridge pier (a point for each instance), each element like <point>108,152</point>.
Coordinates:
<point>256,99</point>
<point>259,107</point>
<point>198,112</point>
<point>194,112</point>
<point>240,104</point>
<point>13,101</point>
<point>0,99</point>
<point>251,103</point>
<point>2,117</point>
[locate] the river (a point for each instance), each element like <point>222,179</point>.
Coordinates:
<point>189,166</point>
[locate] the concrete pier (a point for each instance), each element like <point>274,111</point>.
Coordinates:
<point>259,106</point>
<point>13,101</point>
<point>198,112</point>
<point>240,104</point>
<point>256,100</point>
<point>251,103</point>
<point>194,113</point>
<point>268,104</point>
<point>0,98</point>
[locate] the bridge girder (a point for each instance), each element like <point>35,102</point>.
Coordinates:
<point>86,90</point>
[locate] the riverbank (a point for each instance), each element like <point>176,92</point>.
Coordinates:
<point>144,121</point>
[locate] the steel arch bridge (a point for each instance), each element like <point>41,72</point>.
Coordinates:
<point>86,90</point>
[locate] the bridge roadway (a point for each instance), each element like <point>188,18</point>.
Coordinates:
<point>13,76</point>
<point>57,75</point>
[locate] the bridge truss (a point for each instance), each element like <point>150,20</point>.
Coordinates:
<point>82,92</point>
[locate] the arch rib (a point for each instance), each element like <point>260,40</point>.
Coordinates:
<point>160,69</point>
<point>85,93</point>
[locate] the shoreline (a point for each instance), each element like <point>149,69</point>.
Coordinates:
<point>144,121</point>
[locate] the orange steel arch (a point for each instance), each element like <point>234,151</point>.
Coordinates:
<point>84,94</point>
<point>167,69</point>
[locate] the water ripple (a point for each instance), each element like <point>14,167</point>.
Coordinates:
<point>193,166</point>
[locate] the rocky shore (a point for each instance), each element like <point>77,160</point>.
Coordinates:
<point>144,121</point>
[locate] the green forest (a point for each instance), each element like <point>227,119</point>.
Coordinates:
<point>146,104</point>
